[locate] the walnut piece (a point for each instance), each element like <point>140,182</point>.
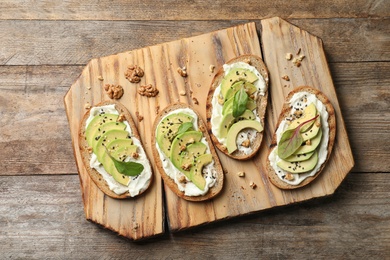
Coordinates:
<point>182,179</point>
<point>241,174</point>
<point>182,71</point>
<point>135,155</point>
<point>121,118</point>
<point>148,91</point>
<point>139,117</point>
<point>186,166</point>
<point>134,73</point>
<point>297,62</point>
<point>286,78</point>
<point>246,143</point>
<point>114,91</point>
<point>196,102</point>
<point>289,176</point>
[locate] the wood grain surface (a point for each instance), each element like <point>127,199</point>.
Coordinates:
<point>45,45</point>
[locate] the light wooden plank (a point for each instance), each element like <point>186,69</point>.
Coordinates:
<point>37,42</point>
<point>278,38</point>
<point>182,10</point>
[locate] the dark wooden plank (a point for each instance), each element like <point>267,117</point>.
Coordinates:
<point>38,141</point>
<point>47,221</point>
<point>183,10</point>
<point>76,42</point>
<point>34,132</point>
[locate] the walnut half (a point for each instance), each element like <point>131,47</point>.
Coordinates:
<point>114,91</point>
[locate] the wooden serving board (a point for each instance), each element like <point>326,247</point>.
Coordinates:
<point>144,216</point>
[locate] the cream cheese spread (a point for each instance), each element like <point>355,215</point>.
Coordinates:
<point>216,113</point>
<point>209,171</point>
<point>137,183</point>
<point>301,100</point>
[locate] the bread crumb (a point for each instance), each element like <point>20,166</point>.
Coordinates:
<point>100,78</point>
<point>87,106</point>
<point>299,51</point>
<point>289,56</point>
<point>286,78</point>
<point>90,150</point>
<point>211,68</point>
<point>252,185</point>
<point>182,93</point>
<point>301,57</point>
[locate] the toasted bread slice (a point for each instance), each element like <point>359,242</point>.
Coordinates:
<point>213,191</point>
<point>274,178</point>
<point>85,151</point>
<point>261,105</point>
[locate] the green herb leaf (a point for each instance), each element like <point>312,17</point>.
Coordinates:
<point>239,102</point>
<point>184,127</point>
<point>291,140</point>
<point>127,168</point>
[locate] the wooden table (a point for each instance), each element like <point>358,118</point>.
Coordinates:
<point>45,46</point>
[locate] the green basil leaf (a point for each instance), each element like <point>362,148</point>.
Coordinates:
<point>127,168</point>
<point>184,127</point>
<point>239,102</point>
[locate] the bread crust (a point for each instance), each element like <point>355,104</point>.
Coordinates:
<point>332,135</point>
<point>261,103</point>
<point>86,156</point>
<point>216,189</point>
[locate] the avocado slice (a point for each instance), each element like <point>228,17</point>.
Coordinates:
<point>235,75</point>
<point>313,131</point>
<point>228,105</point>
<point>249,88</point>
<point>104,128</point>
<point>236,128</point>
<point>313,144</point>
<point>299,167</point>
<point>119,177</point>
<point>96,122</point>
<point>228,120</point>
<point>196,175</point>
<point>180,144</point>
<point>167,130</point>
<point>100,147</point>
<point>308,113</point>
<point>189,155</point>
<point>113,148</point>
<point>299,157</point>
